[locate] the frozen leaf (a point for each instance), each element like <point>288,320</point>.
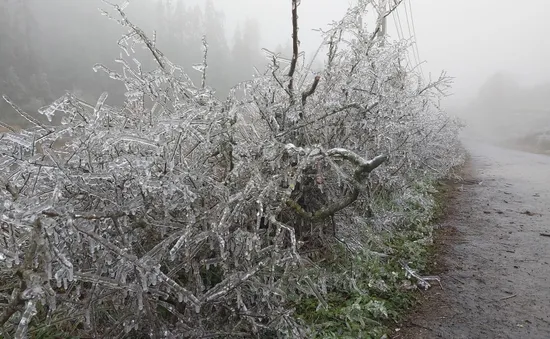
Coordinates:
<point>199,67</point>
<point>99,104</point>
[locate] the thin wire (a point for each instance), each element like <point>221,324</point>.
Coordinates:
<point>412,20</point>
<point>407,16</point>
<point>415,36</point>
<point>400,36</point>
<point>417,59</point>
<point>403,37</point>
<point>397,26</point>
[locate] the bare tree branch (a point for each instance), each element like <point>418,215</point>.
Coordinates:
<point>311,90</point>
<point>295,51</point>
<point>295,42</point>
<point>363,168</point>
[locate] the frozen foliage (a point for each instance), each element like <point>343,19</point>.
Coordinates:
<point>182,215</point>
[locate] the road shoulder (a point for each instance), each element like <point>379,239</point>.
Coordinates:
<point>491,258</point>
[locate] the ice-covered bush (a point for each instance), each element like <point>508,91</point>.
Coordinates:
<point>180,215</point>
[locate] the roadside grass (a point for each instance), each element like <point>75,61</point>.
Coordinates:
<point>384,293</point>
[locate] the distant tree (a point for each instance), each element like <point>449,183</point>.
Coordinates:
<point>246,53</point>
<point>21,65</point>
<point>218,50</point>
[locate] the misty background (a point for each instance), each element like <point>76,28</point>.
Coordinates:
<point>497,50</point>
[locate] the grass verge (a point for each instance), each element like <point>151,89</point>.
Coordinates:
<point>380,293</point>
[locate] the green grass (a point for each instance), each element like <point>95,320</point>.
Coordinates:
<point>381,299</point>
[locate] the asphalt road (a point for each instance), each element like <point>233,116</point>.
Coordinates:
<point>495,253</point>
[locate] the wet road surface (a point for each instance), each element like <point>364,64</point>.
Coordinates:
<point>496,275</point>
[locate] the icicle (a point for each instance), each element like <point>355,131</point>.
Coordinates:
<point>28,313</point>
<point>49,270</point>
<point>144,282</point>
<point>99,104</point>
<point>52,301</point>
<point>127,327</point>
<point>59,277</point>
<point>153,278</point>
<point>88,317</point>
<point>140,301</point>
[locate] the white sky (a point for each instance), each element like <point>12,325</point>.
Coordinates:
<point>470,39</point>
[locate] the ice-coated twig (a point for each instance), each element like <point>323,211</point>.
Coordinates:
<point>422,280</point>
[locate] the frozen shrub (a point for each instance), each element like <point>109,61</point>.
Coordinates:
<point>182,215</point>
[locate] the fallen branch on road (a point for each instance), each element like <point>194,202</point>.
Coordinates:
<point>422,281</point>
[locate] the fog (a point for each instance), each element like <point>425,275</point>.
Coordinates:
<point>56,42</point>
<point>471,39</point>
<point>490,46</point>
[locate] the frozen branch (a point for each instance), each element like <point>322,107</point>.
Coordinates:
<point>205,62</point>
<point>363,168</point>
<point>422,280</point>
<point>295,51</point>
<point>311,90</point>
<point>86,216</point>
<point>326,211</point>
<point>295,42</point>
